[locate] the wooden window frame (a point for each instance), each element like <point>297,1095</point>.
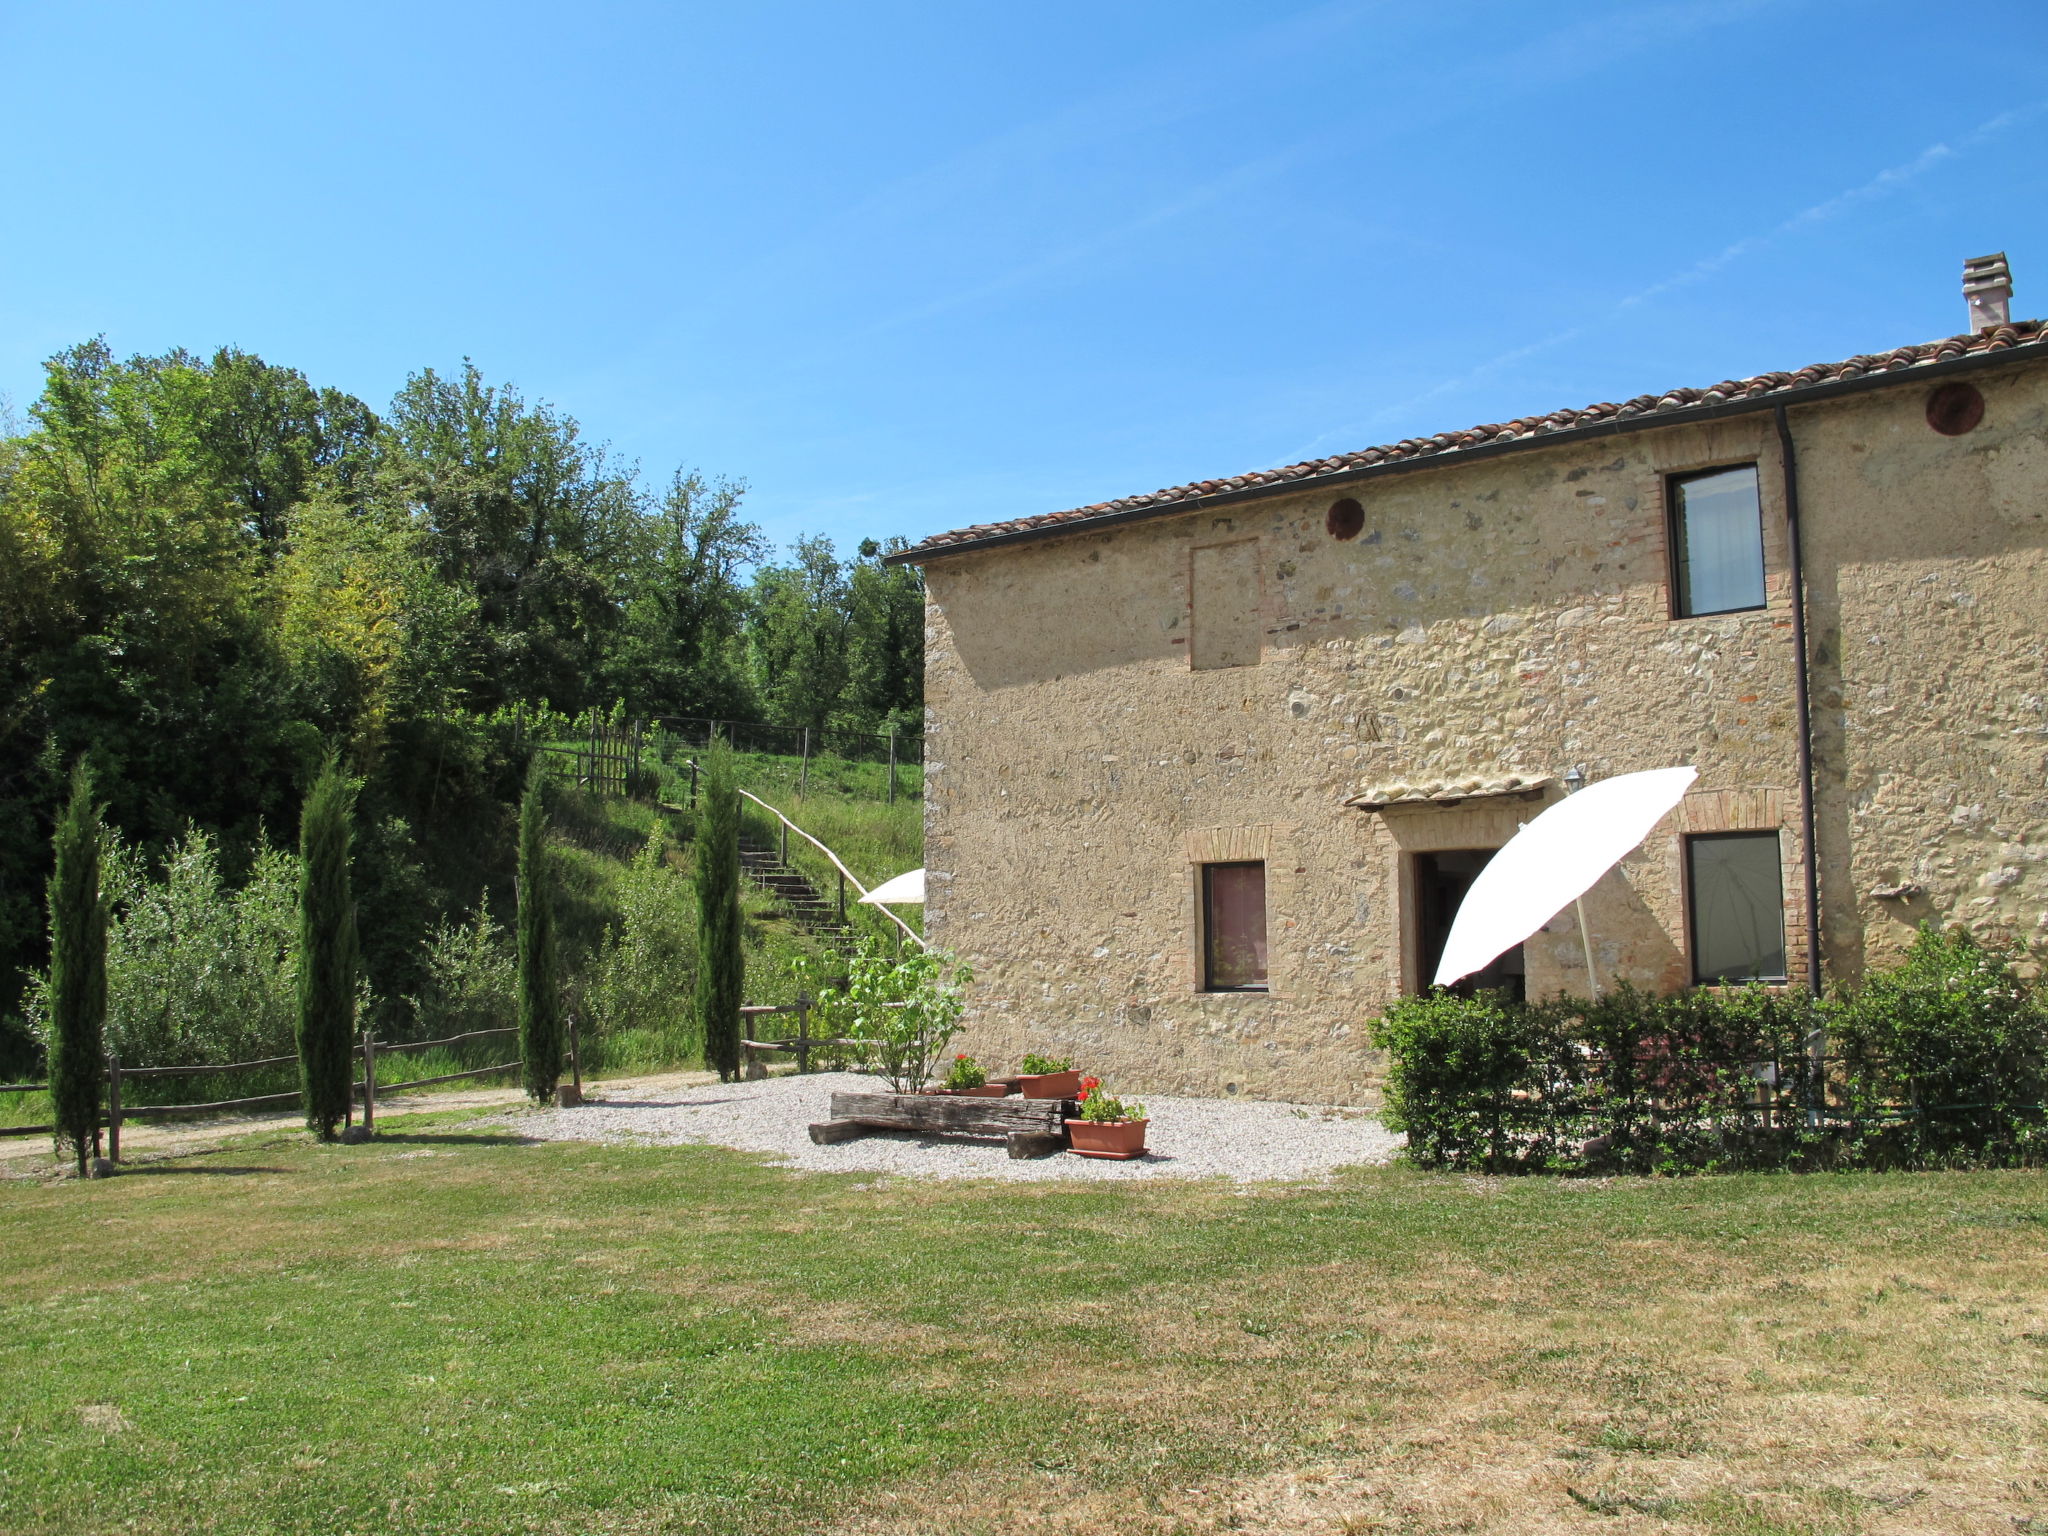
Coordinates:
<point>1202,906</point>
<point>1674,543</point>
<point>1692,917</point>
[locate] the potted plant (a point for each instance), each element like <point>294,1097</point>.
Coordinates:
<point>1048,1077</point>
<point>966,1080</point>
<point>1108,1126</point>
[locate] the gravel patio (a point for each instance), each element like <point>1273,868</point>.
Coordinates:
<point>1240,1139</point>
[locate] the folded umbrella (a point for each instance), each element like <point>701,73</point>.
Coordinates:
<point>1554,860</point>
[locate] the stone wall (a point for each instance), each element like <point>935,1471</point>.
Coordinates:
<point>1504,616</point>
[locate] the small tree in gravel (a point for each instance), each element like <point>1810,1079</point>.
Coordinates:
<point>540,992</point>
<point>902,1009</point>
<point>327,951</point>
<point>78,973</point>
<point>721,958</point>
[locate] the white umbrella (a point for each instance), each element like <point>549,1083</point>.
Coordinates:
<point>1554,860</point>
<point>903,890</point>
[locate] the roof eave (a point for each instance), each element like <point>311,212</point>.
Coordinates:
<point>1804,394</point>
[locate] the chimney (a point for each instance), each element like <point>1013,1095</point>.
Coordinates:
<point>1987,286</point>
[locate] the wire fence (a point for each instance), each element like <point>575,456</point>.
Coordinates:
<point>626,756</point>
<point>903,748</point>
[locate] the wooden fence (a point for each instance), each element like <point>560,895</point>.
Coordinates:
<point>800,1045</point>
<point>365,1087</point>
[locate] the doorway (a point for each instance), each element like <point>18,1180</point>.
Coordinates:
<point>1441,881</point>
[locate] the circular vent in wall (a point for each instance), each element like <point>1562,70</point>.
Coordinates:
<point>1953,409</point>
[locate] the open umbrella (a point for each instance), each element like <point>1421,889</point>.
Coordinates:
<point>902,891</point>
<point>1554,860</point>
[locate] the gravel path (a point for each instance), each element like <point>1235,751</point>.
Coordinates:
<point>1241,1139</point>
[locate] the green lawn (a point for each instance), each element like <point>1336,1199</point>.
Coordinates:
<point>449,1330</point>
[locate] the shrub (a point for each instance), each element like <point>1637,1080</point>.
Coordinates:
<point>472,980</point>
<point>1454,1065</point>
<point>1938,1062</point>
<point>197,971</point>
<point>644,973</point>
<point>1035,1065</point>
<point>1944,1057</point>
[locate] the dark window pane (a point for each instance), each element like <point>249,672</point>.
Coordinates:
<point>1738,907</point>
<point>1234,925</point>
<point>1718,533</point>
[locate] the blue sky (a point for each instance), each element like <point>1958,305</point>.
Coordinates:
<point>903,267</point>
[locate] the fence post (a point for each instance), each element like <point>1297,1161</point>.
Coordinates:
<point>892,767</point>
<point>803,1033</point>
<point>113,1107</point>
<point>693,784</point>
<point>782,830</point>
<point>842,898</point>
<point>803,777</point>
<point>576,1056</point>
<point>369,1081</point>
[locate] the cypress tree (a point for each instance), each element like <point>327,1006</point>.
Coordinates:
<point>721,962</point>
<point>327,951</point>
<point>540,997</point>
<point>78,973</point>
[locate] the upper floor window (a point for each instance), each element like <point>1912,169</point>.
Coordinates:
<point>1736,895</point>
<point>1717,542</point>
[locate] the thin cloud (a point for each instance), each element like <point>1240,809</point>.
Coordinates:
<point>1883,184</point>
<point>1185,88</point>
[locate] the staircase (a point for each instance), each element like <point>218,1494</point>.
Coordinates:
<point>817,915</point>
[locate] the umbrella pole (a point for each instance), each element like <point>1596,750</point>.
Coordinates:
<point>1586,941</point>
<point>1572,780</point>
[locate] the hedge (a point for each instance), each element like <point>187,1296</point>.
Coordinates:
<point>1937,1063</point>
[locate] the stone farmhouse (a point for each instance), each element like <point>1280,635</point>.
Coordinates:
<point>1209,769</point>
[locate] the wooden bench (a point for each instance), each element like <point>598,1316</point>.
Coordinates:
<point>1031,1127</point>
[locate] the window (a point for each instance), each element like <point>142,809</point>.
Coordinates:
<point>1737,895</point>
<point>1717,542</point>
<point>1234,927</point>
<point>1225,588</point>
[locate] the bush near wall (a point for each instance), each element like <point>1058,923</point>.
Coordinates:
<point>1938,1063</point>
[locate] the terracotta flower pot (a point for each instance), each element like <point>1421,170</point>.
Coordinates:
<point>985,1091</point>
<point>1050,1085</point>
<point>1108,1138</point>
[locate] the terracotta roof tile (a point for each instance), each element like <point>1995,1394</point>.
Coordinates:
<point>1448,791</point>
<point>2027,333</point>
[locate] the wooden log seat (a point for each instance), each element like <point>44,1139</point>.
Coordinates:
<point>1030,1127</point>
